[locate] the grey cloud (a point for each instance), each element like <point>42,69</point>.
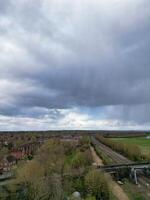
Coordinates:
<point>137,114</point>
<point>75,54</point>
<point>4,6</point>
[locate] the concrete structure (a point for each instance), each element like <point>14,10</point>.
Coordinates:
<point>132,167</point>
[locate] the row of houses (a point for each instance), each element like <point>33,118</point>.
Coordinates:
<point>23,151</point>
<point>29,149</point>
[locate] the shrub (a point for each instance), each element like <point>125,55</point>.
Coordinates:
<point>81,159</point>
<point>90,198</point>
<point>96,185</point>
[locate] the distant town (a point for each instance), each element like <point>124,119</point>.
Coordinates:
<point>121,159</point>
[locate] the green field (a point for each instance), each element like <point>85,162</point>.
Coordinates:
<point>142,142</point>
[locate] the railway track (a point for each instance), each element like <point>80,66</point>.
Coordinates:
<point>115,157</point>
<point>144,182</point>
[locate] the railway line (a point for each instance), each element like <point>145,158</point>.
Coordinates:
<point>143,182</point>
<point>115,157</point>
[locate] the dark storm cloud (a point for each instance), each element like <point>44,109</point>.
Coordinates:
<point>60,54</point>
<point>139,114</point>
<point>4,6</point>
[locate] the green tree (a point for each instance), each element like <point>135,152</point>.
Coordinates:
<point>96,185</point>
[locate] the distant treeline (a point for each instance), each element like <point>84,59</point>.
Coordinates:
<point>105,133</point>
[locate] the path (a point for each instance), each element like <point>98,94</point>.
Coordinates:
<point>116,189</point>
<point>96,158</point>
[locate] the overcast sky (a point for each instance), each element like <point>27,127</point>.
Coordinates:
<point>80,64</point>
